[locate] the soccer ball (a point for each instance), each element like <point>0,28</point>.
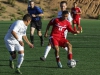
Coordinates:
<point>71,63</point>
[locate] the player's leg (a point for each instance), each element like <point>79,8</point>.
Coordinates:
<point>12,57</point>
<point>65,43</point>
<point>47,50</point>
<point>69,46</point>
<point>41,38</point>
<point>20,58</point>
<point>74,26</point>
<point>57,56</point>
<point>12,52</point>
<point>65,34</point>
<point>32,29</point>
<point>55,44</point>
<point>39,27</point>
<point>79,26</point>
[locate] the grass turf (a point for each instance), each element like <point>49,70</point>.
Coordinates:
<point>86,48</point>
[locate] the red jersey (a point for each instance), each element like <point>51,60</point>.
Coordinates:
<point>74,11</point>
<point>59,26</point>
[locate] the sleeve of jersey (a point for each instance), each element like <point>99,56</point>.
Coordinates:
<point>79,9</point>
<point>39,10</point>
<point>16,28</point>
<point>24,34</point>
<point>51,22</point>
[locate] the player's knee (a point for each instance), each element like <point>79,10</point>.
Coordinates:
<point>13,54</point>
<point>39,34</point>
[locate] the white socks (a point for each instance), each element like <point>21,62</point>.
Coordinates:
<point>20,60</point>
<point>47,51</point>
<point>66,48</point>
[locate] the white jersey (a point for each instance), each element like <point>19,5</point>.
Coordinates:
<point>69,16</point>
<point>20,28</point>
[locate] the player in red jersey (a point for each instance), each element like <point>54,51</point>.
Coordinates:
<point>59,25</point>
<point>76,11</point>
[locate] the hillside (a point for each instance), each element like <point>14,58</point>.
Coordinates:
<point>90,8</point>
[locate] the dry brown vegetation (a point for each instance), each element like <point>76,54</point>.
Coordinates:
<point>90,8</point>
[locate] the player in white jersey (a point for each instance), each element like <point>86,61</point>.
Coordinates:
<point>63,6</point>
<point>13,41</point>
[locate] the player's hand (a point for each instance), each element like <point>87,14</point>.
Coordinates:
<point>33,15</point>
<point>31,45</point>
<point>21,43</point>
<point>78,32</point>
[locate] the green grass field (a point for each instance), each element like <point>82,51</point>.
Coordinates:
<point>86,49</point>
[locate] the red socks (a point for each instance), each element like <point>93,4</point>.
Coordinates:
<point>70,56</point>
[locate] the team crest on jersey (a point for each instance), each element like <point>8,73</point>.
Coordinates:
<point>60,27</point>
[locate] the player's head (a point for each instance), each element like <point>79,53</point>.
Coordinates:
<point>63,5</point>
<point>32,4</point>
<point>27,19</point>
<point>75,4</point>
<point>65,14</point>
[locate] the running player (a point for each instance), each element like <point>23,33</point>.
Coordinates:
<point>13,41</point>
<point>36,23</point>
<point>76,12</point>
<point>57,39</point>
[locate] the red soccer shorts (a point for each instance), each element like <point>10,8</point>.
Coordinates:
<point>76,21</point>
<point>55,41</point>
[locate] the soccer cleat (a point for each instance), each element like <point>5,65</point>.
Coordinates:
<point>59,64</point>
<point>42,58</point>
<point>18,71</point>
<point>42,43</point>
<point>11,64</point>
<point>81,31</point>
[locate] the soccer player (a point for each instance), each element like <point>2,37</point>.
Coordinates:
<point>57,39</point>
<point>36,23</point>
<point>13,41</point>
<point>76,12</point>
<point>63,6</point>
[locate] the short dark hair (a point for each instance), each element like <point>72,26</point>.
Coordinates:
<point>27,17</point>
<point>63,2</point>
<point>65,12</point>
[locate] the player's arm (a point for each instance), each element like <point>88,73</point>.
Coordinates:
<point>39,13</point>
<point>80,12</point>
<point>70,29</point>
<point>18,39</point>
<point>47,29</point>
<point>27,41</point>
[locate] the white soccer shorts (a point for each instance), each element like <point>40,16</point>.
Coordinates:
<point>14,47</point>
